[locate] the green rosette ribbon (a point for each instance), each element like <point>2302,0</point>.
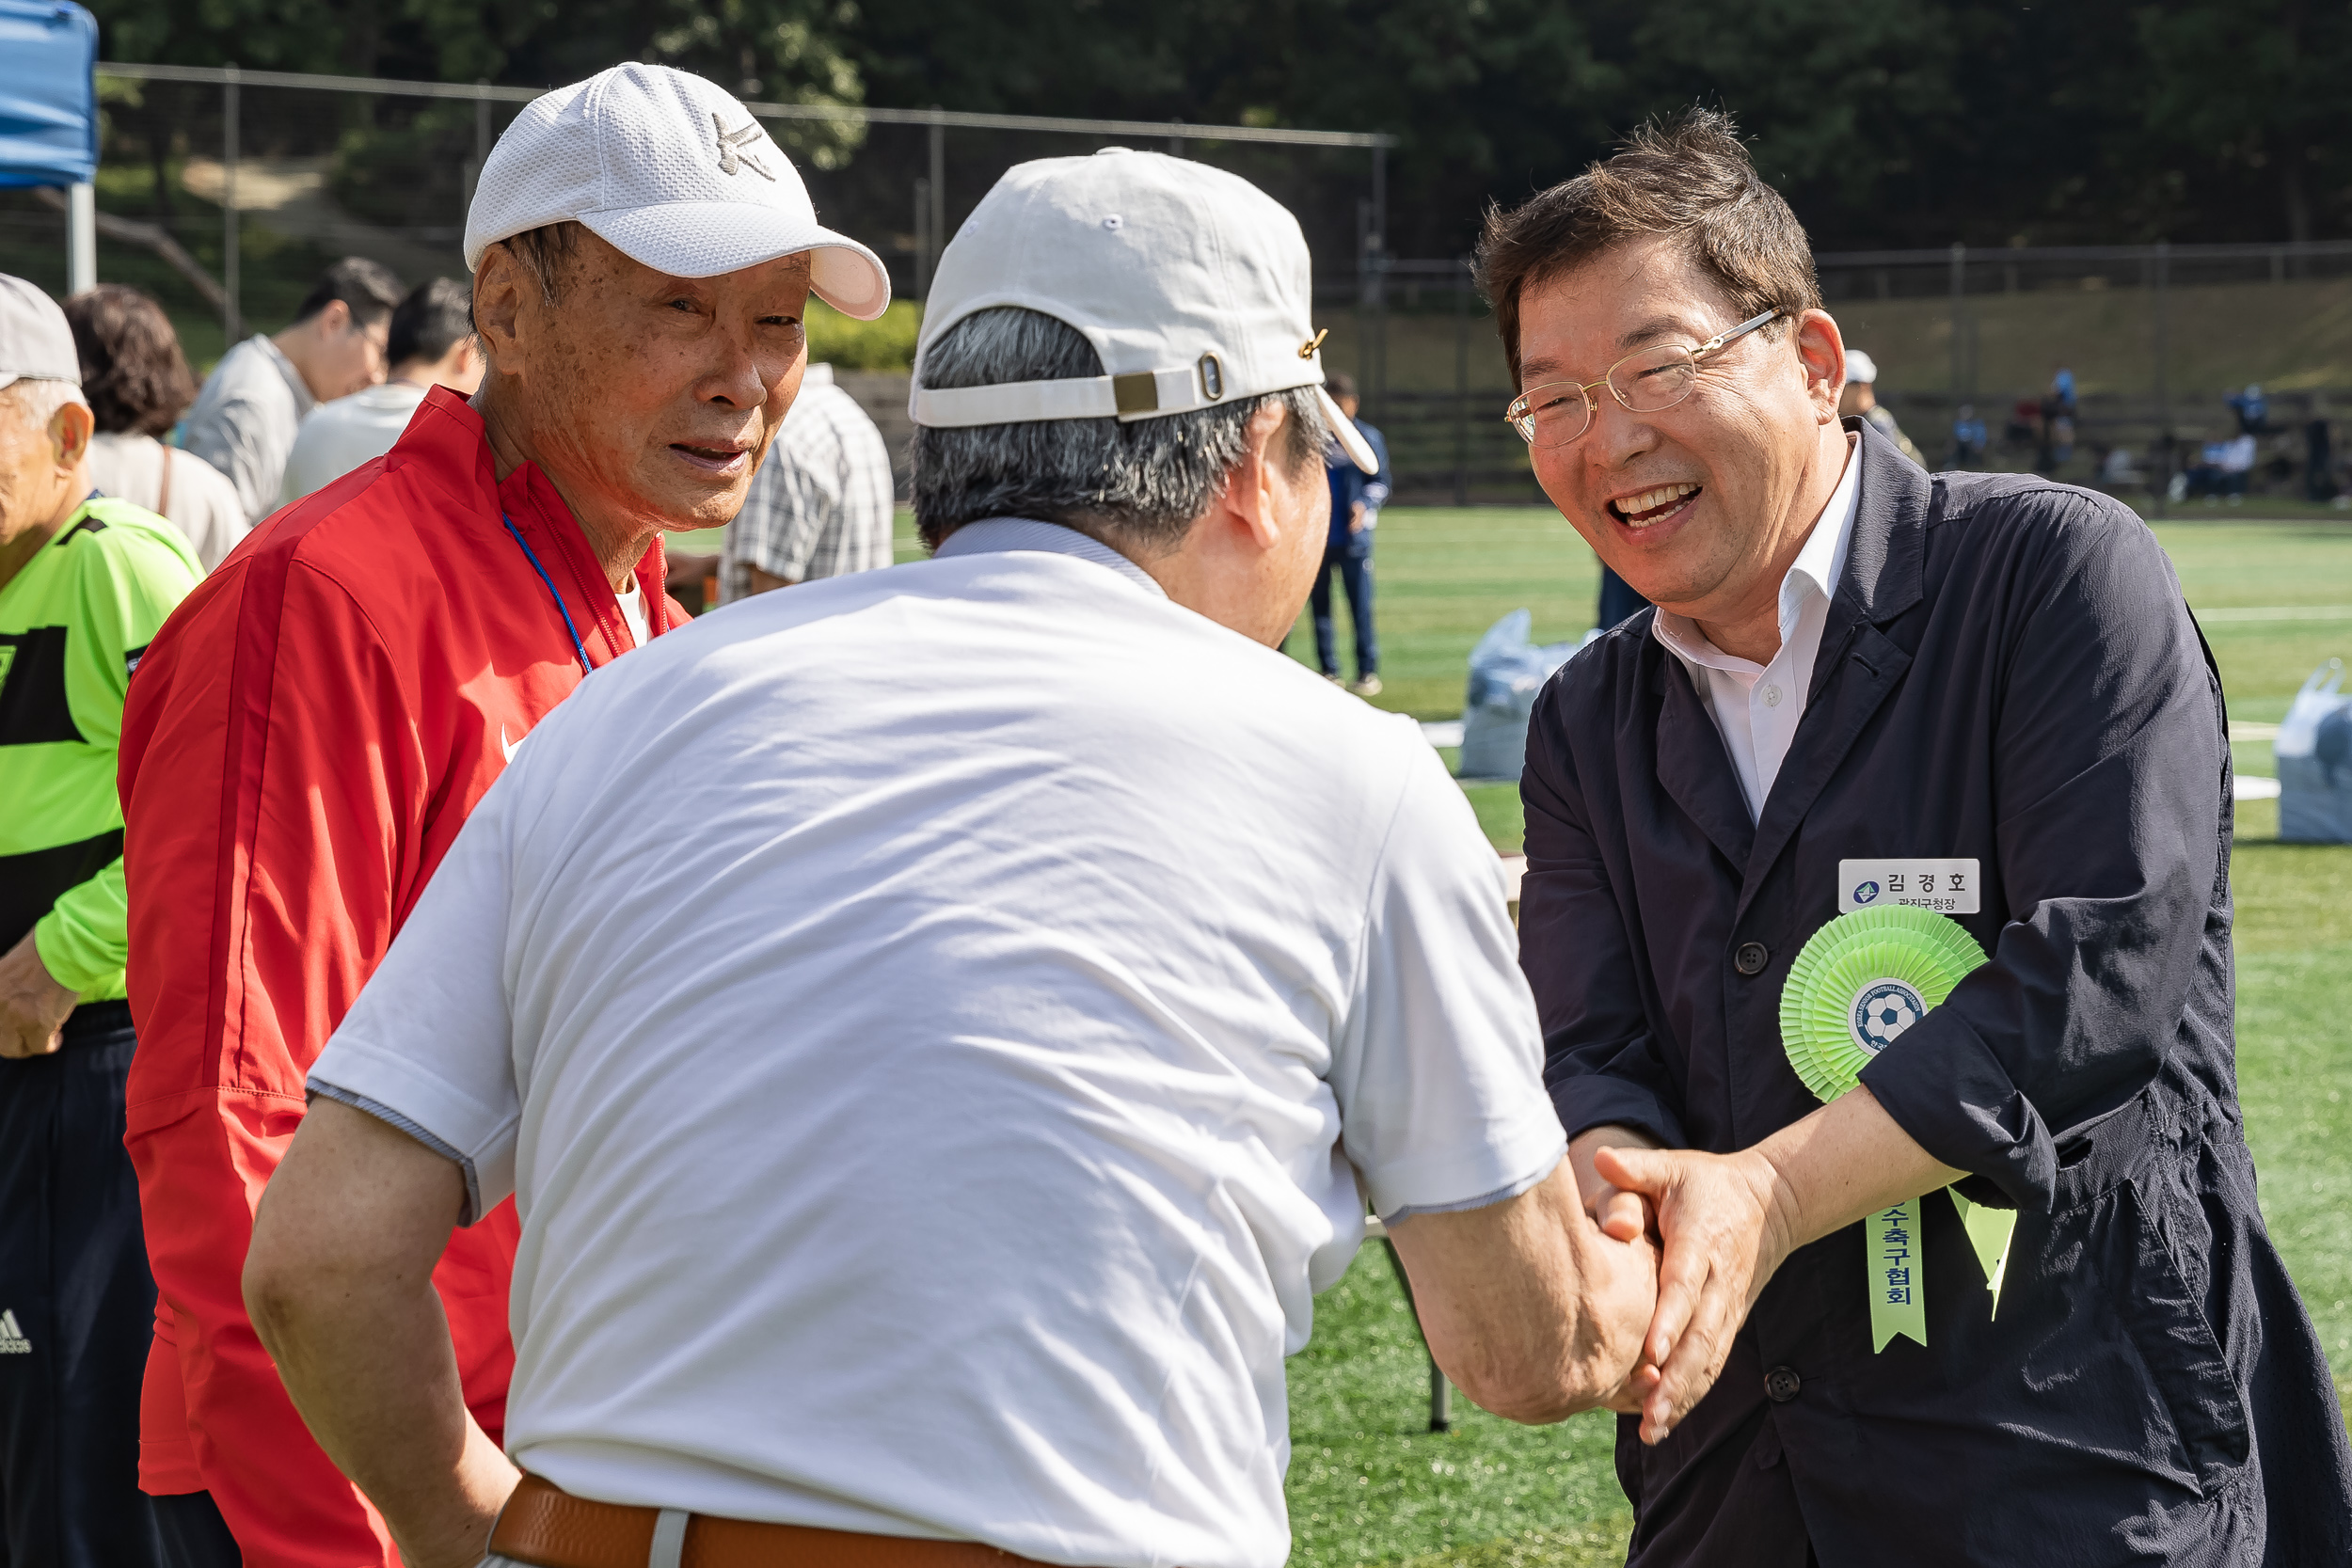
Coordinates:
<point>1861,981</point>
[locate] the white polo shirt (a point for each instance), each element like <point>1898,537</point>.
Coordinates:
<point>944,1136</point>
<point>1757,706</point>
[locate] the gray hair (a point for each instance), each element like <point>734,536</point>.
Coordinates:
<point>543,252</point>
<point>1142,485</point>
<point>38,398</point>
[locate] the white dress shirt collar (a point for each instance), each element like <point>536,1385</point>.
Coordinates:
<point>1756,707</point>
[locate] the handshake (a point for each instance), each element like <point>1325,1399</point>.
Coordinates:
<point>1619,1281</point>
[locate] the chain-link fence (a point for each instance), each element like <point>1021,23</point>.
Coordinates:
<point>226,191</point>
<point>312,168</point>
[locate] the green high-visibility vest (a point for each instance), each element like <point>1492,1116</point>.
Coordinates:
<point>73,624</point>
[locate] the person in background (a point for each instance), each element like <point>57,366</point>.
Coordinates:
<point>430,343</point>
<point>2233,466</point>
<point>820,505</point>
<point>2117,472</point>
<point>1356,500</point>
<point>2201,478</point>
<point>137,384</point>
<point>251,407</point>
<point>84,581</point>
<point>1967,438</point>
<point>2054,447</point>
<point>2252,410</point>
<point>1860,398</point>
<point>312,727</point>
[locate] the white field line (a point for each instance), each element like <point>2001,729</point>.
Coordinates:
<point>2276,613</point>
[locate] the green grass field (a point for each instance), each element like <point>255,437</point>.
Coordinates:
<point>1369,1485</point>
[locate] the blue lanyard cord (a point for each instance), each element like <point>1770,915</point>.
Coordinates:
<point>577,647</point>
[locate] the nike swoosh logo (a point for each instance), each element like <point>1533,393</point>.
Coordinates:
<point>511,746</point>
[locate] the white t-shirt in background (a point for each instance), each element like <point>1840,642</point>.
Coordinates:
<point>946,1138</point>
<point>338,437</point>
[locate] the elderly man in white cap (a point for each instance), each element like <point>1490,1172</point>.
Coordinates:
<point>311,729</point>
<point>1860,397</point>
<point>934,1156</point>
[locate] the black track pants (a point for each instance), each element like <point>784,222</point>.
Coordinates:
<point>76,1308</point>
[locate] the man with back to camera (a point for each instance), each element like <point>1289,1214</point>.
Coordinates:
<point>309,732</point>
<point>933,1157</point>
<point>1854,669</point>
<point>84,581</point>
<point>250,408</point>
<point>431,343</point>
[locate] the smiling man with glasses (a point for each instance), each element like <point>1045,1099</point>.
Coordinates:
<point>1979,694</point>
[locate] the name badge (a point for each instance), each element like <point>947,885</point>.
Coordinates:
<point>1945,886</point>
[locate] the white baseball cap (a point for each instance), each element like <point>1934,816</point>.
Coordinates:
<point>1861,370</point>
<point>36,344</point>
<point>673,172</point>
<point>1193,285</point>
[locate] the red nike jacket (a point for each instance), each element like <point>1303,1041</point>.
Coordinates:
<point>305,737</point>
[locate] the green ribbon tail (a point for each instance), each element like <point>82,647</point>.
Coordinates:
<point>1988,1232</point>
<point>1899,1300</point>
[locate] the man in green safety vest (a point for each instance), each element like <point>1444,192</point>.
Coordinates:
<point>85,582</point>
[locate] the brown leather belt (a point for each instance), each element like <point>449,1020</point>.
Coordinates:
<point>548,1528</point>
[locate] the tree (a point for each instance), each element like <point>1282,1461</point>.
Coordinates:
<point>2257,88</point>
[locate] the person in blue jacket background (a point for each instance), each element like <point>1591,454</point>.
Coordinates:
<point>1356,500</point>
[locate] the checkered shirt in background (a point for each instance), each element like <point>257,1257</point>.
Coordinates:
<point>820,505</point>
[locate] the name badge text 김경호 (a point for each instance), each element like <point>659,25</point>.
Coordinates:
<point>1945,886</point>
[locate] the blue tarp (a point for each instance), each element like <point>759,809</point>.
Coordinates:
<point>48,99</point>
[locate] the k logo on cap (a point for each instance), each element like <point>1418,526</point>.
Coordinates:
<point>730,142</point>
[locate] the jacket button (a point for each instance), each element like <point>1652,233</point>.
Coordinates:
<point>1782,1383</point>
<point>1751,958</point>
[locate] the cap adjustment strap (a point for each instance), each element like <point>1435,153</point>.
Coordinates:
<point>1137,395</point>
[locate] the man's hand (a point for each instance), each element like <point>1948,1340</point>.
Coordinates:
<point>1724,1232</point>
<point>1726,1222</point>
<point>1621,1215</point>
<point>1355,517</point>
<point>33,1006</point>
<point>1528,1307</point>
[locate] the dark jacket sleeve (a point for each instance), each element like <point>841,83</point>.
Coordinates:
<point>2109,767</point>
<point>1600,1059</point>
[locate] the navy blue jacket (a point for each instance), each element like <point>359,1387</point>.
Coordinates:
<point>2007,673</point>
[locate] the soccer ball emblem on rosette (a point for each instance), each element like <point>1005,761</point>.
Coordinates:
<point>1864,981</point>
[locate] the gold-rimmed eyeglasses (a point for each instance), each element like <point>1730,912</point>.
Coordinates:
<point>1645,381</point>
